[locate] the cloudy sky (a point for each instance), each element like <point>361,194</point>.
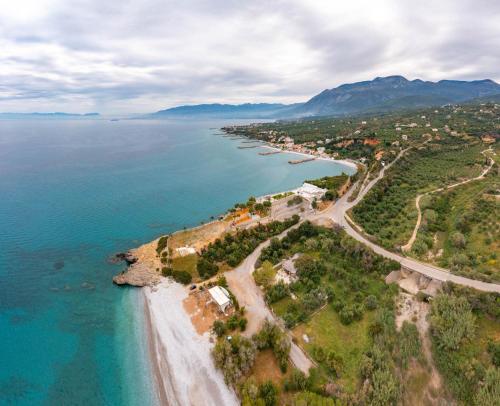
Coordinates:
<point>125,56</point>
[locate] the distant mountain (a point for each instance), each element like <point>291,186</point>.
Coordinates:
<point>51,116</point>
<point>393,93</point>
<point>247,110</point>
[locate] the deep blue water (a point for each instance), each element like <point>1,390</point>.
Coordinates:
<point>71,194</point>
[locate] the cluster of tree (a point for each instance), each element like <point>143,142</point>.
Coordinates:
<point>388,212</point>
<point>341,259</point>
<point>162,244</point>
<point>329,359</point>
<point>253,206</point>
<point>233,248</point>
<point>264,276</point>
<point>265,394</point>
<point>271,336</point>
<point>234,357</point>
<point>331,183</point>
<point>377,364</point>
<point>468,375</point>
<point>236,321</point>
<point>183,277</point>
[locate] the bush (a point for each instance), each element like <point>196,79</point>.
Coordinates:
<point>494,351</point>
<point>277,292</point>
<point>206,269</point>
<point>219,328</point>
<point>165,271</point>
<point>452,321</point>
<point>162,244</point>
<point>268,393</point>
<point>458,240</point>
<point>297,381</point>
<point>183,277</point>
<point>371,302</point>
<point>235,358</point>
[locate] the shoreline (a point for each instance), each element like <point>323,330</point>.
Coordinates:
<point>341,161</point>
<point>183,368</point>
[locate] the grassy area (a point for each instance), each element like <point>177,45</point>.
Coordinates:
<point>324,329</point>
<point>388,211</point>
<point>461,335</point>
<point>187,263</point>
<point>461,231</point>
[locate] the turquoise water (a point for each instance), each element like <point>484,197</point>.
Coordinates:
<point>71,194</point>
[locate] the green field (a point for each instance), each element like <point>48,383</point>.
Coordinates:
<point>324,329</point>
<point>388,211</point>
<point>187,264</point>
<point>461,230</point>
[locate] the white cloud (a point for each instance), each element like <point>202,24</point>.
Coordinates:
<point>140,56</point>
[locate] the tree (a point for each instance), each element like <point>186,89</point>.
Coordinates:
<point>268,393</point>
<point>219,328</point>
<point>458,240</point>
<point>489,393</point>
<point>384,388</point>
<point>371,302</point>
<point>452,321</point>
<point>235,358</point>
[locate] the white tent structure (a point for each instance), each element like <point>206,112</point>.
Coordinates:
<point>220,296</point>
<point>310,192</point>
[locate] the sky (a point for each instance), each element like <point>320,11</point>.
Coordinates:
<point>138,56</point>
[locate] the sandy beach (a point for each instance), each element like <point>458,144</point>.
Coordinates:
<point>183,366</point>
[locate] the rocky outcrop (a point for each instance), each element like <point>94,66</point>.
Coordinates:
<point>129,257</point>
<point>139,275</point>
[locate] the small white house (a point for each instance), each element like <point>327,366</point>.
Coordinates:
<point>221,297</point>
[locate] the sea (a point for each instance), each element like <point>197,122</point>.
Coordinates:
<point>72,194</point>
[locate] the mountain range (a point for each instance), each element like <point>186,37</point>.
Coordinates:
<point>381,94</point>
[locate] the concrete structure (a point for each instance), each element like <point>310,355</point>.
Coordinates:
<point>221,297</point>
<point>310,192</point>
<point>183,251</point>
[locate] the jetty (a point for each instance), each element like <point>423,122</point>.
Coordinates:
<point>300,161</point>
<point>248,146</point>
<point>270,153</point>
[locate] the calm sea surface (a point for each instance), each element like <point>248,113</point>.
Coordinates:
<point>71,194</point>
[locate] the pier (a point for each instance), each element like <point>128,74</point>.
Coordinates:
<point>248,146</point>
<point>300,161</point>
<point>270,153</point>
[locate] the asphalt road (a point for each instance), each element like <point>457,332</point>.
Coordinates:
<point>337,213</point>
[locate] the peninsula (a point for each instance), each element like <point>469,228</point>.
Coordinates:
<point>285,291</point>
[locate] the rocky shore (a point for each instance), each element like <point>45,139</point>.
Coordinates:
<point>143,266</point>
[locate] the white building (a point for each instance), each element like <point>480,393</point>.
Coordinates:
<point>221,297</point>
<point>310,192</point>
<point>187,250</point>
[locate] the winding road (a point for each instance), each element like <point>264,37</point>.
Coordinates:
<point>338,211</point>
<point>242,284</point>
<point>407,247</point>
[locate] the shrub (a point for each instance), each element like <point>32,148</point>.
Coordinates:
<point>452,321</point>
<point>371,302</point>
<point>206,269</point>
<point>297,381</point>
<point>277,292</point>
<point>235,358</point>
<point>458,240</point>
<point>268,393</point>
<point>183,277</point>
<point>165,271</point>
<point>162,244</point>
<point>219,328</point>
